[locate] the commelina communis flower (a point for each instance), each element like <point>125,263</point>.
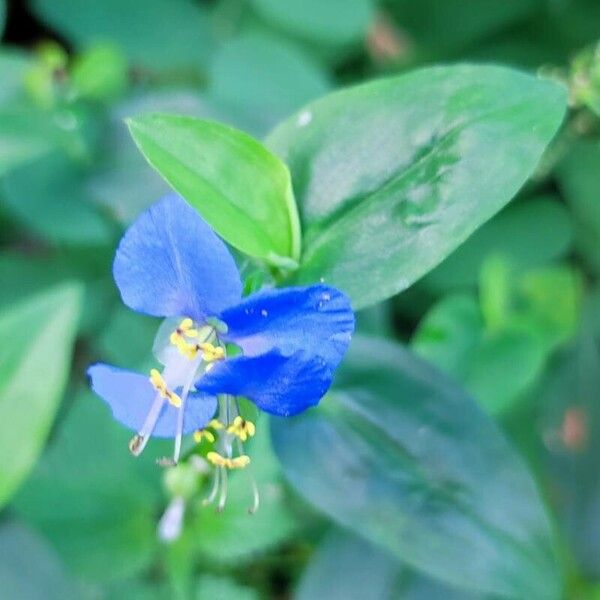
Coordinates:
<point>278,348</point>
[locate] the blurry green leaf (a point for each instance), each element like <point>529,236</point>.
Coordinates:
<point>95,503</point>
<point>14,64</point>
<point>30,570</point>
<point>221,588</point>
<point>100,73</point>
<point>331,23</point>
<point>552,299</point>
<point>527,234</point>
<point>27,132</point>
<point>22,276</point>
<point>498,349</point>
<point>265,77</point>
<point>403,457</point>
<point>49,197</point>
<point>35,359</point>
<point>346,567</point>
<point>392,176</point>
<point>234,535</point>
<point>156,34</point>
<point>236,184</point>
<point>496,366</point>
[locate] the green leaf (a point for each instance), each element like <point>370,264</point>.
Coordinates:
<point>403,457</point>
<point>237,185</point>
<point>331,23</point>
<point>35,359</point>
<point>30,570</point>
<point>157,34</point>
<point>527,234</point>
<point>346,567</point>
<point>265,77</point>
<point>49,197</point>
<point>391,176</point>
<point>95,503</point>
<point>100,73</point>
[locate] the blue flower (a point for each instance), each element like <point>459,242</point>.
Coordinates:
<point>278,347</point>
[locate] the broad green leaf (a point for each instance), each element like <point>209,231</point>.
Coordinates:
<point>391,176</point>
<point>331,23</point>
<point>236,184</point>
<point>265,78</point>
<point>35,360</point>
<point>95,503</point>
<point>30,570</point>
<point>156,34</point>
<point>48,196</point>
<point>527,234</point>
<point>402,456</point>
<point>346,567</point>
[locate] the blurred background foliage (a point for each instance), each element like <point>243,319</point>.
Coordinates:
<point>513,314</point>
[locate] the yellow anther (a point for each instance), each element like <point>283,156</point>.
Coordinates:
<point>241,428</point>
<point>216,424</point>
<point>201,434</point>
<point>211,353</point>
<point>157,380</point>
<point>239,462</point>
<point>186,324</point>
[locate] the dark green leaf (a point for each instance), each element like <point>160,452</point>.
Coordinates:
<point>391,176</point>
<point>35,359</point>
<point>402,456</point>
<point>236,184</point>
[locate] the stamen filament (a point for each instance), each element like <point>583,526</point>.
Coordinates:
<point>138,442</point>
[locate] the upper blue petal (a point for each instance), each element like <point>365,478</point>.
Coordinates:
<point>130,396</point>
<point>278,384</point>
<point>171,263</point>
<point>317,319</point>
